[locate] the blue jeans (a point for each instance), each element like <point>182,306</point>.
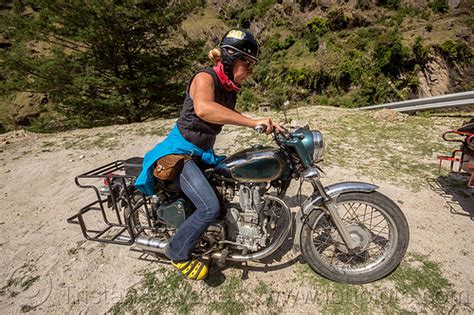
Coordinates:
<point>196,187</point>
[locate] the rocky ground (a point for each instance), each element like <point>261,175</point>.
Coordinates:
<point>48,267</point>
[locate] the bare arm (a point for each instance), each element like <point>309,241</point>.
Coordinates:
<point>202,93</point>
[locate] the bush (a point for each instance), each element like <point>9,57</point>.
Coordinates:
<point>289,41</point>
<point>337,20</point>
<point>421,53</point>
<point>364,36</point>
<point>425,14</point>
<point>301,77</point>
<point>273,44</point>
<point>277,97</point>
<point>350,69</point>
<point>457,51</point>
<point>389,54</point>
<point>440,6</point>
<point>429,27</point>
<point>312,41</point>
<point>321,80</point>
<point>390,4</point>
<point>363,4</point>
<point>245,16</point>
<point>359,21</point>
<point>260,72</point>
<point>248,100</point>
<point>318,26</point>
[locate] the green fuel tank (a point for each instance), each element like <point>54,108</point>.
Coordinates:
<point>255,165</point>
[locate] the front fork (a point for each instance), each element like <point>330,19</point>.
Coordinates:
<point>330,206</point>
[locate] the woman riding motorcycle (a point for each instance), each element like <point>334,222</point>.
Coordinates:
<point>209,104</point>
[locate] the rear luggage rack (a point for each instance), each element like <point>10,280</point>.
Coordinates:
<point>104,219</point>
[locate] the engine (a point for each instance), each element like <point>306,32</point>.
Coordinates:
<point>247,224</point>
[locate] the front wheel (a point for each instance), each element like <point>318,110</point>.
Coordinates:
<point>377,225</point>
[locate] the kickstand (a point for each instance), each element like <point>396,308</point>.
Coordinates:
<point>245,271</point>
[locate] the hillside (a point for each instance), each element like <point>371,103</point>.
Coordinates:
<point>341,53</point>
<point>48,267</point>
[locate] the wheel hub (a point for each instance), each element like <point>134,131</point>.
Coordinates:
<point>360,235</point>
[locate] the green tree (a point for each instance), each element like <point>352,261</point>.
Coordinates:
<point>103,61</point>
<point>420,52</point>
<point>389,54</point>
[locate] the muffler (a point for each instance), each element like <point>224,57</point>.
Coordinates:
<point>148,243</point>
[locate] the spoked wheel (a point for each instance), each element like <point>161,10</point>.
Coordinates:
<point>139,218</point>
<point>374,222</point>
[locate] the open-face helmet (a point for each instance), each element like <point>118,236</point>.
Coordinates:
<point>236,44</point>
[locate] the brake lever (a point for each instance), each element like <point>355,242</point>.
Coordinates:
<point>278,132</point>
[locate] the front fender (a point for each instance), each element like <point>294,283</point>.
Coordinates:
<point>316,200</point>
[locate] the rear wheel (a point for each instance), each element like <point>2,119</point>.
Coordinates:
<point>376,224</point>
<point>137,215</point>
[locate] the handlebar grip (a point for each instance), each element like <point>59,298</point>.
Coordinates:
<point>260,128</point>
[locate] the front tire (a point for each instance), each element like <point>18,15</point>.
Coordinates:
<point>377,223</point>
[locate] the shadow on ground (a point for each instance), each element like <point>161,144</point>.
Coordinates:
<point>453,188</point>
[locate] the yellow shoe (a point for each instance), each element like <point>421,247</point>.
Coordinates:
<point>192,269</point>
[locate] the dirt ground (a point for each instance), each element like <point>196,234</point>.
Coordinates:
<point>48,267</point>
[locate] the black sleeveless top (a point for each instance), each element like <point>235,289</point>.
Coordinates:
<point>194,129</point>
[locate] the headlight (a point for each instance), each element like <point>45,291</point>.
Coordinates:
<point>313,143</point>
<point>318,145</point>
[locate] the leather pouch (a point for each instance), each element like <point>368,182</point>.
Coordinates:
<point>170,166</point>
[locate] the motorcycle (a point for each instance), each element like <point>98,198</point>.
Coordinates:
<point>347,232</point>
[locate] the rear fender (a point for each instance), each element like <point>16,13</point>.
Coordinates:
<point>316,201</point>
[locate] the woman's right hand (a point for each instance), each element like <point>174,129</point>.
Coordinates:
<point>267,122</point>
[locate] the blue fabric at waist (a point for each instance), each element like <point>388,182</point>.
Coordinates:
<point>173,144</point>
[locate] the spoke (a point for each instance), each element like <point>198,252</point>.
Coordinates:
<point>365,211</point>
<point>346,213</point>
<point>381,231</point>
<point>352,212</point>
<point>377,247</point>
<point>383,220</point>
<point>374,217</point>
<point>350,259</point>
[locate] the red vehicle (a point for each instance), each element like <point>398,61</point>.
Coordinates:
<point>464,155</point>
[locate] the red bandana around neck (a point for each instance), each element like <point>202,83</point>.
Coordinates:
<point>227,83</point>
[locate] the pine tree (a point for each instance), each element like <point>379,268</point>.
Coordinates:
<point>101,62</point>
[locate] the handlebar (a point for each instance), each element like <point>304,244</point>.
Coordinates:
<point>260,128</point>
<point>276,133</point>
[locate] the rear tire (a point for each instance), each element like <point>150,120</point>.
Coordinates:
<point>326,254</point>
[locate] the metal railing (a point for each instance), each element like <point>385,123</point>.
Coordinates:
<point>428,103</point>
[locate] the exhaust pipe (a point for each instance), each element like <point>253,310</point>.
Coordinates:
<point>150,244</point>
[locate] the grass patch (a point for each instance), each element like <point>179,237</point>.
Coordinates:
<point>417,280</point>
<point>423,280</point>
<point>269,295</point>
<point>230,300</point>
<point>338,298</point>
<point>85,142</point>
<point>170,294</point>
<point>153,131</point>
<point>21,280</point>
